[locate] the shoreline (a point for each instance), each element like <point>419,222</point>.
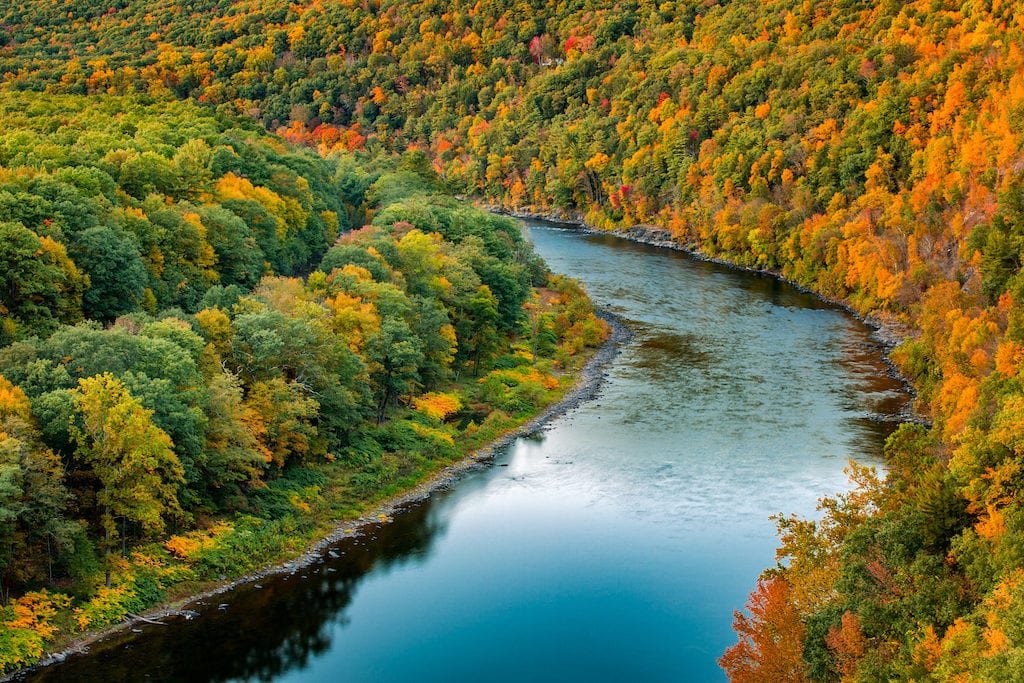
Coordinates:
<point>586,387</point>
<point>886,334</point>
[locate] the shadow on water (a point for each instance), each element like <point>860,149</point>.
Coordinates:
<point>761,286</point>
<point>658,349</point>
<point>274,629</point>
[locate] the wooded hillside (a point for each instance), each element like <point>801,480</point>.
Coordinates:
<point>177,406</point>
<point>871,151</point>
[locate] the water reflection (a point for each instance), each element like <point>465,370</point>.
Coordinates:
<point>261,633</point>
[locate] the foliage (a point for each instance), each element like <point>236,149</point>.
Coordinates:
<point>112,205</point>
<point>771,638</point>
<point>28,623</point>
<point>109,606</point>
<point>39,284</point>
<point>213,412</point>
<point>130,456</point>
<point>869,151</point>
<point>33,497</point>
<point>438,405</point>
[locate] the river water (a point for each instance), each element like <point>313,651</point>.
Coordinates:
<point>613,546</point>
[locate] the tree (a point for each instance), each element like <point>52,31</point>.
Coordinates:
<point>116,274</point>
<point>232,454</point>
<point>281,417</point>
<point>478,336</point>
<point>33,498</point>
<point>39,285</point>
<point>239,258</point>
<point>396,354</point>
<point>770,647</point>
<point>132,459</point>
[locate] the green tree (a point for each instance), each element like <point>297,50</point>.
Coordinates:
<point>478,337</point>
<point>239,257</point>
<point>132,459</point>
<point>39,285</point>
<point>33,498</point>
<point>116,274</point>
<point>397,355</point>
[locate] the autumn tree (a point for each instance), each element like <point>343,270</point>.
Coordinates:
<point>771,634</point>
<point>232,459</point>
<point>33,497</point>
<point>132,460</point>
<point>39,285</point>
<point>282,418</point>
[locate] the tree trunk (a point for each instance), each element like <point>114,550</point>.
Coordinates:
<point>383,407</point>
<point>384,399</point>
<point>106,556</point>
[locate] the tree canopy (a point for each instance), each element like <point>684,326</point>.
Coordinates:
<point>870,151</point>
<point>201,362</point>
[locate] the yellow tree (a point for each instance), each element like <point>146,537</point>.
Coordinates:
<point>132,459</point>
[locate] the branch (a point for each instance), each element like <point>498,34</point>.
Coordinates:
<point>141,618</point>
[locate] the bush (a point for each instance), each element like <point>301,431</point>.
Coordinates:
<point>109,606</point>
<point>284,496</point>
<point>27,625</point>
<point>510,362</point>
<point>375,477</point>
<point>253,543</point>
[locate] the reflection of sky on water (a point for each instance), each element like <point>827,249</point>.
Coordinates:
<point>614,545</point>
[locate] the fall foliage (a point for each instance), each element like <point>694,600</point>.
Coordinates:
<point>771,638</point>
<point>203,409</point>
<point>869,151</point>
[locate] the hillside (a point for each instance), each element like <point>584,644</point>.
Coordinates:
<point>178,406</point>
<point>870,151</point>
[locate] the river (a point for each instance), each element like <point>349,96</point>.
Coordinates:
<point>612,546</point>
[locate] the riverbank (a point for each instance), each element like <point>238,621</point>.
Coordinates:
<point>586,386</point>
<point>887,333</point>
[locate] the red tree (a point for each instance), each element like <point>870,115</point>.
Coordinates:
<point>770,647</point>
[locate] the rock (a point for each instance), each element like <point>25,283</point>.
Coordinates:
<point>222,606</point>
<point>190,614</point>
<point>333,554</point>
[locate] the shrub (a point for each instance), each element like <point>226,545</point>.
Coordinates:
<point>27,625</point>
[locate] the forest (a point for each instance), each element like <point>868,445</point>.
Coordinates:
<point>204,366</point>
<point>871,152</point>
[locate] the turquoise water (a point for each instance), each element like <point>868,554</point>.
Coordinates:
<point>613,546</point>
